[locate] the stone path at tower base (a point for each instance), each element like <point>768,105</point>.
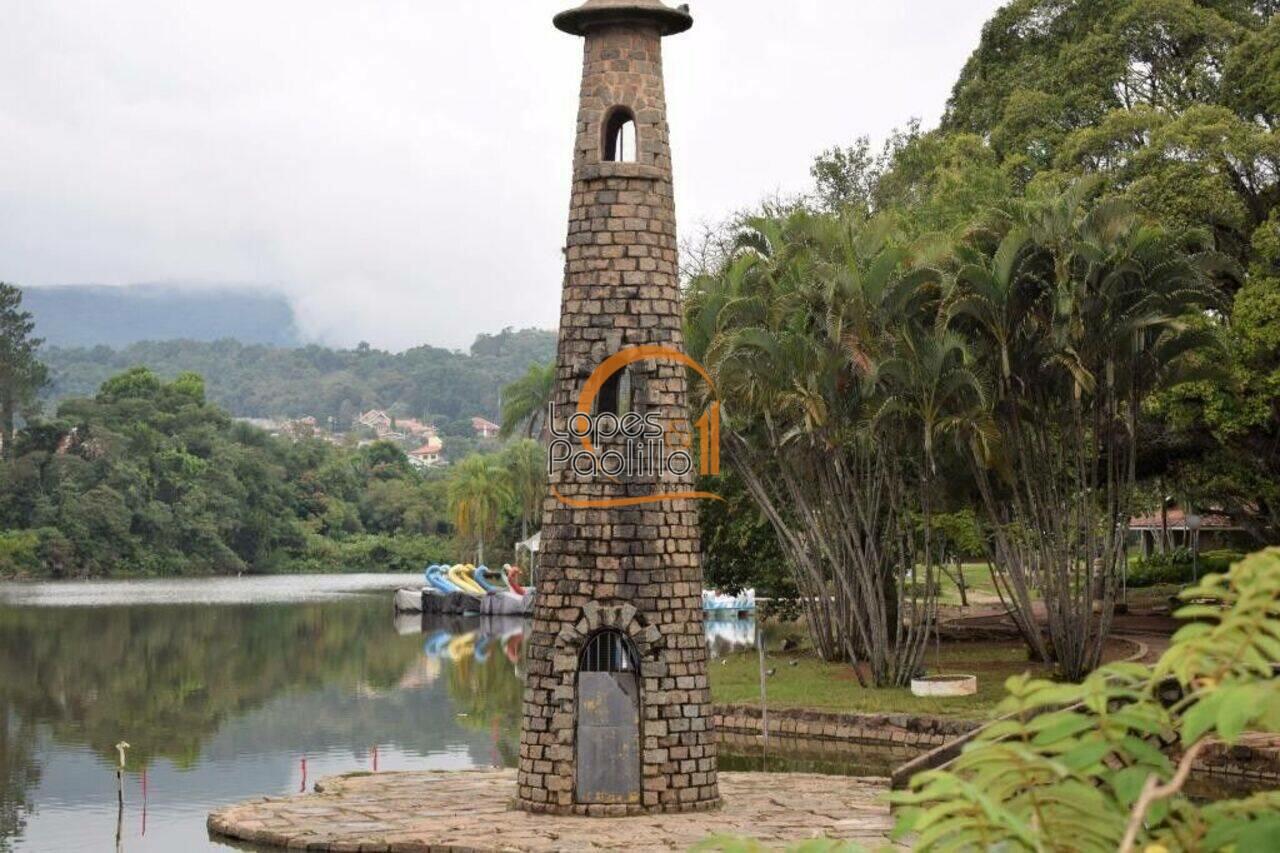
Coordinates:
<point>470,811</point>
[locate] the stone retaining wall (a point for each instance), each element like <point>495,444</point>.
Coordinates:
<point>913,734</point>
<point>1254,761</point>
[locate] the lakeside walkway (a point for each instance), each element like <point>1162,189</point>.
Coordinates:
<point>470,811</point>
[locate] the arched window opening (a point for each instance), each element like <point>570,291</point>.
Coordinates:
<point>620,142</point>
<point>615,395</point>
<point>608,651</point>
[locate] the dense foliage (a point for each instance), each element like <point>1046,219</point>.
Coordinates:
<point>1172,106</point>
<point>263,381</point>
<point>1103,765</point>
<point>830,425</point>
<point>1095,226</point>
<point>22,375</point>
<point>1084,767</point>
<point>147,477</point>
<point>866,373</point>
<point>1178,566</point>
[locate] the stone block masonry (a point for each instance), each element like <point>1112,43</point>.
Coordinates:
<point>634,570</point>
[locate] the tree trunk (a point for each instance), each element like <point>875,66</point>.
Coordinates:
<point>960,582</point>
<point>6,428</point>
<point>1164,520</point>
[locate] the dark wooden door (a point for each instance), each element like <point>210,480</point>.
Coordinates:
<point>608,737</point>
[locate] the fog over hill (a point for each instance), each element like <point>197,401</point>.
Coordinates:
<point>94,315</point>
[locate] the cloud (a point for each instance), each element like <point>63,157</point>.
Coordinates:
<point>401,168</point>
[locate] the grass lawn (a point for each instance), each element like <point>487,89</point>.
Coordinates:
<point>978,586</point>
<point>1148,597</point>
<point>813,684</point>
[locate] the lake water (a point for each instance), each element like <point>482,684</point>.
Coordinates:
<point>228,689</point>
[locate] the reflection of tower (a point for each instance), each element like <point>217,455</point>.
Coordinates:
<point>617,715</point>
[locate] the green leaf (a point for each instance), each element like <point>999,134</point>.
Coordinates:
<point>1128,783</point>
<point>1247,836</point>
<point>1086,755</point>
<point>1051,728</point>
<point>1236,710</point>
<point>1201,717</point>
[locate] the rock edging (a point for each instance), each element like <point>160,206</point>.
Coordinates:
<point>921,732</point>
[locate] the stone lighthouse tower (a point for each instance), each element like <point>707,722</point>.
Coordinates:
<point>617,716</point>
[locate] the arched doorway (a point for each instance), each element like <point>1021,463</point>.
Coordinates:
<point>608,721</point>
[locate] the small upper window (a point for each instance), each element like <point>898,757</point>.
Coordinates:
<point>615,396</point>
<point>620,136</point>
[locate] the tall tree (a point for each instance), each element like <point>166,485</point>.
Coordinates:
<point>525,401</point>
<point>1084,312</point>
<point>795,330</point>
<point>526,463</point>
<point>22,375</point>
<point>479,493</point>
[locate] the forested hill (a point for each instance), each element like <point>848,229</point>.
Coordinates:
<point>90,315</point>
<point>262,381</point>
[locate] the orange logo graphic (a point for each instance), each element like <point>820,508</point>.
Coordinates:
<point>645,436</point>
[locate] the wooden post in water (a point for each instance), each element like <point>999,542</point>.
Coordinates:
<point>121,747</point>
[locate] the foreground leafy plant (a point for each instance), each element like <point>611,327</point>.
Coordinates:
<point>1084,766</point>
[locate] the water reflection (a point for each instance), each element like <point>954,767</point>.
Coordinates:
<point>263,693</point>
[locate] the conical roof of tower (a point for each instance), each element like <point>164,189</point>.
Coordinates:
<point>595,13</point>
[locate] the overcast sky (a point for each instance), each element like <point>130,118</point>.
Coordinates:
<point>400,168</point>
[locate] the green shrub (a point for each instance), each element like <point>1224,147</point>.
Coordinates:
<point>1172,567</point>
<point>371,553</point>
<point>19,552</point>
<point>1085,761</point>
<point>1219,562</point>
<point>1178,567</point>
<point>1102,765</point>
<point>43,552</point>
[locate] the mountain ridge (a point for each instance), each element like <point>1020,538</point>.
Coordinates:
<point>88,315</point>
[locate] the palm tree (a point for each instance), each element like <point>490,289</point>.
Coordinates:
<point>930,386</point>
<point>479,493</point>
<point>526,463</point>
<point>525,401</point>
<point>795,330</point>
<point>1082,313</point>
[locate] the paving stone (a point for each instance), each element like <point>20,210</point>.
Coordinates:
<point>432,812</point>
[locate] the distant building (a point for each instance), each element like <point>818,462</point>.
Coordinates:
<point>413,426</point>
<point>376,420</point>
<point>395,429</point>
<point>307,427</point>
<point>485,429</point>
<point>428,455</point>
<point>1213,529</point>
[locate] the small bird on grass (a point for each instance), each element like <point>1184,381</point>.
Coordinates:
<point>771,672</point>
<point>794,662</point>
<point>789,644</point>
